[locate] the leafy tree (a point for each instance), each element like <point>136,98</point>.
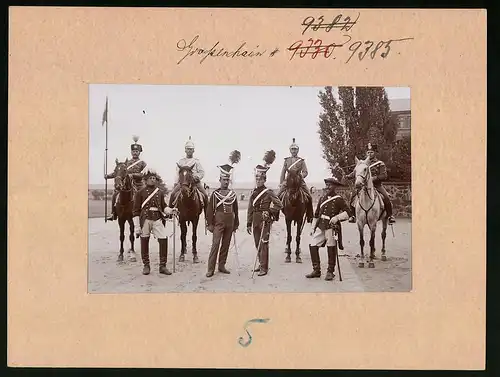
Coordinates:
<point>400,168</point>
<point>349,118</point>
<point>331,132</point>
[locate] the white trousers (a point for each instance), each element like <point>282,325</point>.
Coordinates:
<point>155,228</point>
<point>319,238</point>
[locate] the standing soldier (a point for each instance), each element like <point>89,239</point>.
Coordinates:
<point>222,219</point>
<point>198,174</point>
<point>379,174</point>
<point>298,164</point>
<point>331,209</point>
<point>263,208</point>
<point>150,211</point>
<point>135,166</point>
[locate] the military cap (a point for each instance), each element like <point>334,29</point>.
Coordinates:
<point>260,170</point>
<point>372,147</point>
<point>225,170</point>
<point>294,145</point>
<point>135,146</point>
<point>149,172</point>
<point>336,179</point>
<point>189,143</point>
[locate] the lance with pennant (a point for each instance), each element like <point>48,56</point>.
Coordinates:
<point>105,119</point>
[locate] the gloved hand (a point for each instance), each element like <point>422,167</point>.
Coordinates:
<point>266,216</point>
<point>334,220</point>
<point>210,228</point>
<point>196,179</point>
<point>249,229</point>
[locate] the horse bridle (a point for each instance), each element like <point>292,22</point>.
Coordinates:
<point>365,187</point>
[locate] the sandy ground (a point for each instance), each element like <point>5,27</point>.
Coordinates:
<point>106,275</point>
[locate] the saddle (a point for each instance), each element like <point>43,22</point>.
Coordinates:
<point>198,192</point>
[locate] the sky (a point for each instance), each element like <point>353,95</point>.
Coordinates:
<point>219,119</point>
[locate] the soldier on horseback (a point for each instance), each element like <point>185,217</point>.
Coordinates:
<point>379,174</point>
<point>298,164</point>
<point>198,174</point>
<point>135,166</point>
<point>331,209</point>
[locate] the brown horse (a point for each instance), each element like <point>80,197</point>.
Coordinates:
<point>124,205</point>
<point>189,204</point>
<point>294,209</point>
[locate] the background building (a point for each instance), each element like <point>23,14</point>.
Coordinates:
<point>401,109</point>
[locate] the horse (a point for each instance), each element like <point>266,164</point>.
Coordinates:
<point>294,209</point>
<point>124,206</point>
<point>369,210</point>
<point>189,204</point>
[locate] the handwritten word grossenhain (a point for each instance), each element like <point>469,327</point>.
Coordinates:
<point>339,22</point>
<point>316,47</point>
<point>217,51</point>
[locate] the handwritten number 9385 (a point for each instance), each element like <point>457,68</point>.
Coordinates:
<point>316,47</point>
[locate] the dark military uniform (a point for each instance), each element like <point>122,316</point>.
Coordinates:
<point>331,209</point>
<point>296,164</point>
<point>379,174</point>
<point>263,208</point>
<point>135,167</point>
<point>223,220</point>
<point>149,218</point>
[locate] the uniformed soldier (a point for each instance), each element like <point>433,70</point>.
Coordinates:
<point>298,164</point>
<point>135,167</point>
<point>263,208</point>
<point>198,174</point>
<point>379,174</point>
<point>331,209</point>
<point>150,211</point>
<point>222,219</point>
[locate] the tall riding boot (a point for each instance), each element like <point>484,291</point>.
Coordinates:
<point>113,215</point>
<point>388,208</point>
<point>352,218</point>
<point>316,262</point>
<point>163,256</point>
<point>145,255</point>
<point>332,255</point>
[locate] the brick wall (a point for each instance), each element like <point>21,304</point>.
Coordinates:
<point>400,194</point>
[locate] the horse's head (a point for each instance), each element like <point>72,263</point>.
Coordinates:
<point>363,174</point>
<point>122,179</point>
<point>293,181</point>
<point>186,178</point>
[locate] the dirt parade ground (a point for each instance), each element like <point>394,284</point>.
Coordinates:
<point>106,275</point>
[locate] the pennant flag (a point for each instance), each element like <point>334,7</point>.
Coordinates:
<point>105,114</point>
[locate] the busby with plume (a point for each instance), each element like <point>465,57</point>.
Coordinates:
<point>136,146</point>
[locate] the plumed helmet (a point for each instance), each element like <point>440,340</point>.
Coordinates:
<point>337,178</point>
<point>225,170</point>
<point>135,146</point>
<point>189,143</point>
<point>150,172</point>
<point>294,145</point>
<point>261,171</point>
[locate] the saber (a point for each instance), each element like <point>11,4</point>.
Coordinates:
<point>392,228</point>
<point>173,242</point>
<point>258,249</point>
<point>338,260</point>
<point>236,253</point>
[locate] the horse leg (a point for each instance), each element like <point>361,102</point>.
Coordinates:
<point>288,251</point>
<point>121,224</point>
<point>372,247</point>
<point>384,234</point>
<point>194,239</point>
<point>297,240</point>
<point>361,263</point>
<point>183,240</point>
<point>132,257</point>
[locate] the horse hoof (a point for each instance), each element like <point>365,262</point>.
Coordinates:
<point>361,265</point>
<point>120,258</point>
<point>288,259</point>
<point>384,258</point>
<point>195,259</point>
<point>181,258</point>
<point>371,265</point>
<point>298,260</point>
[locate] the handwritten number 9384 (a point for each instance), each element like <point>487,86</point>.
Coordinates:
<point>315,47</point>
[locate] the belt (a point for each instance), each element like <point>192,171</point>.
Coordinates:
<point>153,209</point>
<point>325,217</point>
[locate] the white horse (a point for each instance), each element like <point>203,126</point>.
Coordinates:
<point>369,210</point>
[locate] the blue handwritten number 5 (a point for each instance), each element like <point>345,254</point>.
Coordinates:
<point>241,340</point>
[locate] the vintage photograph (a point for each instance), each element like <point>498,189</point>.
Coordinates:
<point>196,188</point>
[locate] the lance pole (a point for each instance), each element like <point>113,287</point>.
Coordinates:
<point>106,168</point>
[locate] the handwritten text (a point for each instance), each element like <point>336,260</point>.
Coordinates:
<point>216,51</point>
<point>344,24</point>
<point>242,341</point>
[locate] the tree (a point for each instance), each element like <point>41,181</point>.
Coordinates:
<point>400,168</point>
<point>349,119</point>
<point>330,131</point>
